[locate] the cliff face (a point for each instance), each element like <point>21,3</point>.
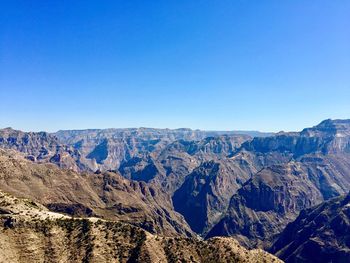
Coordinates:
<point>91,150</point>
<point>313,166</point>
<point>43,147</point>
<point>330,136</point>
<point>112,147</point>
<point>30,233</point>
<point>266,203</point>
<point>206,192</point>
<point>197,174</point>
<point>319,234</point>
<point>172,166</point>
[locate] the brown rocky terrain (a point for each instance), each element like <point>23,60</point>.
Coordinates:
<point>223,185</point>
<point>107,195</point>
<point>317,170</point>
<point>31,233</point>
<point>319,234</point>
<point>171,165</point>
<point>111,147</point>
<point>91,150</point>
<point>168,168</point>
<point>197,174</point>
<point>206,192</point>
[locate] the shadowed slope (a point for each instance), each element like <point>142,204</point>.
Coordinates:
<point>319,234</point>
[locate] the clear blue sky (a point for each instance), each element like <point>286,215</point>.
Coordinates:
<point>262,65</point>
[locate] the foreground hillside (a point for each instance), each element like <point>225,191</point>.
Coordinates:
<point>30,233</point>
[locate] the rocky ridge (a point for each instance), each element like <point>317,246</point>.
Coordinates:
<point>30,233</point>
<point>319,234</point>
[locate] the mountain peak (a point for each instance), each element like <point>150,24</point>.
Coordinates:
<point>338,123</point>
<point>338,128</point>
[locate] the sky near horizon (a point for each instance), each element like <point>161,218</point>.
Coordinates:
<point>214,65</point>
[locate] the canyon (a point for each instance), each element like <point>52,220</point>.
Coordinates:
<point>249,187</point>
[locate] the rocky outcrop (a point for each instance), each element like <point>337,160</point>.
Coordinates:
<point>319,234</point>
<point>202,187</point>
<point>165,169</point>
<point>30,233</point>
<point>307,168</point>
<point>215,147</point>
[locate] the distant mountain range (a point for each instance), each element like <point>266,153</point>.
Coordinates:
<point>103,149</point>
<point>245,185</point>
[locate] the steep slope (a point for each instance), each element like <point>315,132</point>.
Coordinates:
<point>201,187</point>
<point>302,168</point>
<point>313,166</point>
<point>261,208</point>
<point>171,165</point>
<point>319,234</point>
<point>274,196</point>
<point>227,185</point>
<point>30,233</point>
<point>165,167</point>
<point>106,195</point>
<point>206,192</point>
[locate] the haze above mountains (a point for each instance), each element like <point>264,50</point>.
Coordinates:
<point>191,183</point>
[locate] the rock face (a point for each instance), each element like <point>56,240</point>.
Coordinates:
<point>319,234</point>
<point>206,192</point>
<point>43,147</point>
<point>30,233</point>
<point>112,147</point>
<point>179,158</point>
<point>161,158</point>
<point>107,195</point>
<point>330,136</point>
<point>223,184</point>
<point>310,167</point>
<point>266,203</point>
<point>197,174</point>
<point>92,150</point>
